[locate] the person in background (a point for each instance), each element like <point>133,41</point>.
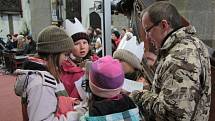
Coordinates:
<point>97,37</point>
<point>90,33</point>
<point>21,43</point>
<point>106,102</point>
<point>122,33</point>
<point>113,46</point>
<point>181,89</point>
<point>130,29</point>
<point>30,47</point>
<point>43,94</point>
<point>15,42</point>
<point>9,44</point>
<point>98,46</point>
<point>116,37</point>
<point>97,34</point>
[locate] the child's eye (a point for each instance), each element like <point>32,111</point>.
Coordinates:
<point>85,42</point>
<point>77,43</point>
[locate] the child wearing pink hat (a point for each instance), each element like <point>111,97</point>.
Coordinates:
<point>106,78</point>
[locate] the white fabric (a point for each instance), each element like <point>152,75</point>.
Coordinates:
<point>130,43</point>
<point>81,91</point>
<point>73,28</point>
<point>131,85</point>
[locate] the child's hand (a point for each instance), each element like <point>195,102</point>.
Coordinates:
<point>66,104</point>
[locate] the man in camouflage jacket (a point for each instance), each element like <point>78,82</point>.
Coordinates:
<point>181,90</point>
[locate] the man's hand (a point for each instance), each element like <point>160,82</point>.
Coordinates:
<point>136,92</point>
<point>125,92</point>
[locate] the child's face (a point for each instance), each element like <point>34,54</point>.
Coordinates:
<point>127,68</point>
<point>81,48</point>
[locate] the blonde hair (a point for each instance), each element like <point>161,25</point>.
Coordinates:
<point>53,65</point>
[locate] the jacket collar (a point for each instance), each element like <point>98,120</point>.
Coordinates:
<point>171,39</point>
<point>69,66</point>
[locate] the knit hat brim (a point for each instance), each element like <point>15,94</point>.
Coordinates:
<point>105,93</point>
<point>127,57</point>
<point>106,77</point>
<point>79,36</point>
<point>55,49</point>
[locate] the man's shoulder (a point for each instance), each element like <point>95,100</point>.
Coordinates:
<point>189,45</point>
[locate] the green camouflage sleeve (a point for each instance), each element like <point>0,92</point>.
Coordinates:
<point>175,88</point>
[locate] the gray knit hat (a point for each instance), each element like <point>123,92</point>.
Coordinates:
<point>52,39</point>
<point>127,57</point>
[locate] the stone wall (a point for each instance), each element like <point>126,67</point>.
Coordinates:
<point>120,21</point>
<point>201,14</point>
<point>4,27</point>
<point>40,15</point>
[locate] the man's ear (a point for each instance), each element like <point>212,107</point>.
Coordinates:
<point>165,26</point>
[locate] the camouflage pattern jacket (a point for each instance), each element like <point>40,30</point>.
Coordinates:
<point>181,90</point>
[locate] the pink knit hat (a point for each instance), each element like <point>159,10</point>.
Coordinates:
<point>106,77</point>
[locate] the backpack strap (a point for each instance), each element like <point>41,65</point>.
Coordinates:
<point>21,81</point>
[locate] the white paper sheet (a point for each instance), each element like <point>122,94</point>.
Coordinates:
<point>81,91</point>
<point>130,85</point>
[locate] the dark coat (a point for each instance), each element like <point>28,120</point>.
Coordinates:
<point>101,107</point>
